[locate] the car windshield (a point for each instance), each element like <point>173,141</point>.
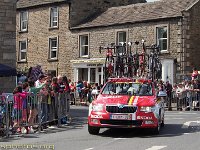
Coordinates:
<point>130,88</point>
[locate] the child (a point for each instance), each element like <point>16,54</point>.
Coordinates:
<point>24,111</point>
<point>33,102</point>
<point>55,89</point>
<point>17,108</point>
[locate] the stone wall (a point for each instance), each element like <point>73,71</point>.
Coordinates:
<point>183,37</point>
<point>82,9</point>
<point>103,36</point>
<point>7,41</point>
<point>191,39</point>
<point>38,35</point>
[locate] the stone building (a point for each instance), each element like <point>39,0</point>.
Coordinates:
<point>64,36</point>
<point>7,42</point>
<point>173,25</point>
<point>43,31</point>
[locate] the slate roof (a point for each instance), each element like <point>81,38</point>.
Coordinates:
<point>32,3</point>
<point>139,13</point>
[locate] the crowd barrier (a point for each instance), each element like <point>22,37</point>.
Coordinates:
<point>84,99</point>
<point>186,100</point>
<point>26,111</point>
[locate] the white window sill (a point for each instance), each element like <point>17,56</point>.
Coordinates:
<point>164,52</point>
<point>22,61</point>
<point>51,28</point>
<point>84,56</point>
<point>52,59</point>
<point>23,31</point>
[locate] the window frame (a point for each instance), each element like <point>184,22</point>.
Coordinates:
<point>121,50</point>
<point>22,21</point>
<point>158,39</point>
<point>22,51</point>
<point>51,49</point>
<point>118,32</point>
<point>51,18</point>
<point>52,71</point>
<point>81,46</point>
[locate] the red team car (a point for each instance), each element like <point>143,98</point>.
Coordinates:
<point>127,103</point>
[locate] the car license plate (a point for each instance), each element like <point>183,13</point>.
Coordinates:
<point>121,117</point>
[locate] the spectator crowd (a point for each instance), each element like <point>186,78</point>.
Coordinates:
<point>48,96</point>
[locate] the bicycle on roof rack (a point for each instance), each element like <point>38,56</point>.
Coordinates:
<point>125,61</point>
<point>155,66</point>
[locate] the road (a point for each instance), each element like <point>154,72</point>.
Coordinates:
<point>181,132</point>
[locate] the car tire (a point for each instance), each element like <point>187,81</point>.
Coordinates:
<point>157,129</point>
<point>93,130</point>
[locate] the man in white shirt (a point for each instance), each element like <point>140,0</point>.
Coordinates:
<point>40,80</point>
<point>180,95</point>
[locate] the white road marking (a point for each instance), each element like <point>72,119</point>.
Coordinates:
<point>187,124</point>
<point>170,115</point>
<point>120,138</point>
<point>156,147</point>
<point>173,118</point>
<point>187,113</point>
<point>89,148</point>
<point>187,133</point>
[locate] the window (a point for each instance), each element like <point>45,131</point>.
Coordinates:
<point>83,74</point>
<point>121,40</point>
<point>54,17</point>
<point>129,88</point>
<point>84,48</point>
<point>52,72</point>
<point>121,37</point>
<point>24,21</point>
<point>22,50</point>
<point>162,38</point>
<point>53,45</point>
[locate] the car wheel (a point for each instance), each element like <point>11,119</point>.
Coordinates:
<point>93,130</point>
<point>156,130</point>
<point>162,123</point>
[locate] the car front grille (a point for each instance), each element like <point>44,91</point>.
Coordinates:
<point>122,122</point>
<point>117,109</point>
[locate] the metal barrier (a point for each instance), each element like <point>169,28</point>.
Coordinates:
<point>73,97</point>
<point>22,112</point>
<point>3,116</point>
<point>187,100</point>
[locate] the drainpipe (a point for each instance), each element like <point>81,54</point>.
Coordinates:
<point>182,51</point>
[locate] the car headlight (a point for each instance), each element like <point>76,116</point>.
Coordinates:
<point>97,107</point>
<point>147,109</point>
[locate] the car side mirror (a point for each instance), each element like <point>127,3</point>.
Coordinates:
<point>162,94</point>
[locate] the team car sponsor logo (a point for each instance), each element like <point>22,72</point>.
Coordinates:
<point>96,116</point>
<point>145,117</point>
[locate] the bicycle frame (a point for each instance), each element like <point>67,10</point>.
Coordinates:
<point>121,61</point>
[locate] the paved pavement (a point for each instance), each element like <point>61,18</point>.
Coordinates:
<point>181,132</point>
